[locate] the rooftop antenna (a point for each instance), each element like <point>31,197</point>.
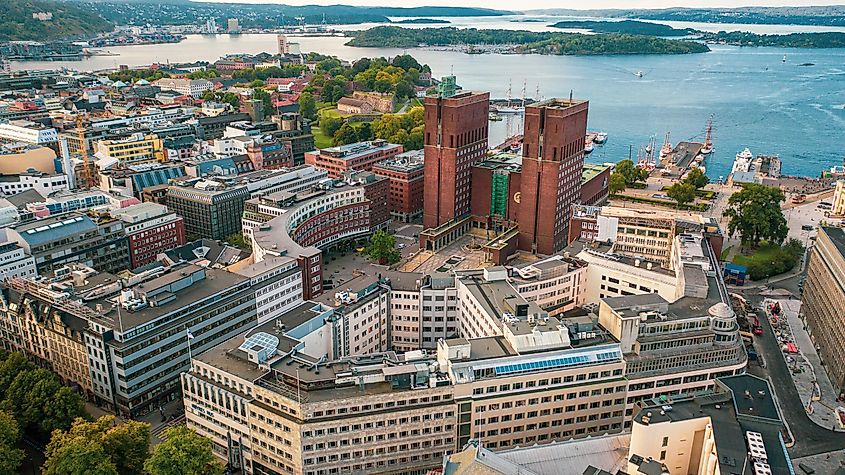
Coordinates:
<point>570,96</point>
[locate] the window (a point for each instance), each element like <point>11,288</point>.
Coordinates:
<point>665,442</point>
<point>662,455</point>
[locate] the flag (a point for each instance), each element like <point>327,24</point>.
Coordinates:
<point>190,335</point>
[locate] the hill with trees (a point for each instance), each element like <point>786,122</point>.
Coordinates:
<point>68,20</point>
<point>523,41</point>
<point>628,27</point>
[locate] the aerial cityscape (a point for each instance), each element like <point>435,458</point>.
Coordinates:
<point>255,238</point>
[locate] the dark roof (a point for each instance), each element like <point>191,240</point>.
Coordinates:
<point>20,200</point>
<point>837,236</point>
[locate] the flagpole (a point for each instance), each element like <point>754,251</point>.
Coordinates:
<point>189,336</point>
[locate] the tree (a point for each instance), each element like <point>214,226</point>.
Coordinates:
<point>265,97</point>
<point>682,193</point>
<point>41,403</point>
<point>345,135</point>
<point>696,178</point>
<point>383,248</point>
<point>755,213</point>
<point>10,456</point>
<point>330,124</point>
<point>308,106</point>
<point>631,173</point>
<point>78,457</point>
<point>122,448</point>
<point>364,131</point>
<point>404,89</point>
<point>617,183</point>
<point>238,240</point>
<point>13,365</point>
<point>183,451</point>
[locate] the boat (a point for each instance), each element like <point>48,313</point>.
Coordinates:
<point>588,147</point>
<point>495,117</point>
<point>510,108</point>
<point>666,149</point>
<point>599,137</point>
<point>742,162</point>
<point>707,149</point>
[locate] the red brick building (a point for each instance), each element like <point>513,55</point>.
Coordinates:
<point>455,139</point>
<point>151,230</point>
<point>594,184</point>
<point>406,173</point>
<point>359,156</point>
<point>552,164</point>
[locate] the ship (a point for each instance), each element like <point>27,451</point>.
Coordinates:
<point>599,137</point>
<point>666,149</point>
<point>743,161</point>
<point>707,149</point>
<point>511,108</point>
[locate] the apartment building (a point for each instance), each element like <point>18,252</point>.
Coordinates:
<point>557,284</point>
<point>211,209</point>
<point>28,132</point>
<point>14,262</point>
<point>97,241</point>
<point>358,156</point>
<point>273,402</point>
<point>135,149</point>
<point>150,229</point>
<point>43,183</point>
<point>823,299</point>
<point>187,87</point>
<point>362,315</point>
<point>123,339</point>
<point>407,184</point>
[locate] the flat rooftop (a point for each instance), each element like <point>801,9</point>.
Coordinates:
<point>837,236</point>
<point>591,171</point>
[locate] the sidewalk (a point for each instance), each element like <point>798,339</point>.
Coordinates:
<point>808,375</point>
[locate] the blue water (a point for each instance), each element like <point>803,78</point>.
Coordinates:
<point>756,99</point>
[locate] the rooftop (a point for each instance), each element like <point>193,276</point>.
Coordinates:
<point>591,171</point>
<point>837,236</point>
<point>357,150</point>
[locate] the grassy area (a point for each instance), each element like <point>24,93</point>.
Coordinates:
<point>329,112</point>
<point>770,259</point>
<point>320,140</point>
<point>703,194</point>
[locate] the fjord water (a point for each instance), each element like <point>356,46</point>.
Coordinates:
<point>757,99</point>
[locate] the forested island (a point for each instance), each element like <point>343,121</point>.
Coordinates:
<point>628,27</point>
<point>793,40</point>
<point>523,41</point>
<point>833,15</point>
<point>422,21</point>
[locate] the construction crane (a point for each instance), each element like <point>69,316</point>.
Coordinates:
<point>83,147</point>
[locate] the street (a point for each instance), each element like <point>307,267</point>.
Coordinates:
<point>810,439</point>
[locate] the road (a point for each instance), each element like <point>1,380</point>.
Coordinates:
<point>810,439</point>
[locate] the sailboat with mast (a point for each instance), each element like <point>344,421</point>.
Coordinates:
<point>510,107</point>
<point>707,149</point>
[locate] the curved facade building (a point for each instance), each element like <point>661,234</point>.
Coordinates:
<point>307,222</point>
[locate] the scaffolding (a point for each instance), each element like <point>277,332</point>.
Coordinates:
<point>499,194</point>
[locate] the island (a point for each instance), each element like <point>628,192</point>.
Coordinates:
<point>793,40</point>
<point>521,42</point>
<point>422,21</point>
<point>629,27</point>
<point>830,15</point>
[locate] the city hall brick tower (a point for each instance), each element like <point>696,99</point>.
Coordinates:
<point>552,162</point>
<point>455,139</point>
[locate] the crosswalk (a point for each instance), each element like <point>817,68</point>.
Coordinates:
<point>157,432</point>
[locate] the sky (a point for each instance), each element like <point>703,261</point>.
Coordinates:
<point>536,4</point>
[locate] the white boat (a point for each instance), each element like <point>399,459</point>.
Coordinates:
<point>588,147</point>
<point>509,110</point>
<point>743,161</point>
<point>600,138</point>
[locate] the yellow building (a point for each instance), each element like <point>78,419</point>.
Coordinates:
<point>838,199</point>
<point>133,150</point>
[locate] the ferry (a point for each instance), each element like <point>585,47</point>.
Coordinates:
<point>599,137</point>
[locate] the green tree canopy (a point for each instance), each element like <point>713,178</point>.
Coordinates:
<point>696,178</point>
<point>756,215</point>
<point>330,124</point>
<point>631,173</point>
<point>10,456</point>
<point>264,96</point>
<point>682,193</point>
<point>307,106</point>
<point>120,448</point>
<point>617,183</point>
<point>383,248</point>
<point>345,135</point>
<point>183,452</point>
